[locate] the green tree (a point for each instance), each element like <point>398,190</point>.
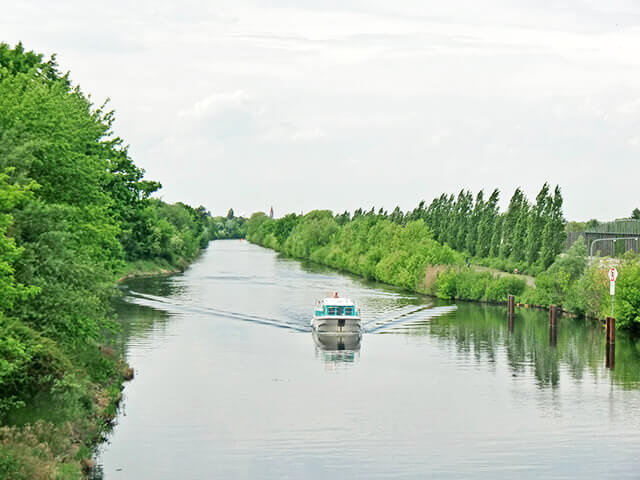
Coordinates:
<point>592,224</point>
<point>496,237</point>
<point>511,233</point>
<point>463,209</point>
<point>487,218</point>
<point>536,223</point>
<point>343,218</point>
<point>635,214</point>
<point>553,233</point>
<point>471,240</point>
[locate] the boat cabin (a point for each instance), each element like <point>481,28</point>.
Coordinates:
<point>336,307</point>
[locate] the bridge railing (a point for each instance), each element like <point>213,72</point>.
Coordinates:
<point>606,244</point>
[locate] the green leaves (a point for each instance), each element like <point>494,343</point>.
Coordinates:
<point>628,294</point>
<point>369,245</point>
<point>73,206</point>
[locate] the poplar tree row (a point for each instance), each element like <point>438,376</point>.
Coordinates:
<point>531,233</point>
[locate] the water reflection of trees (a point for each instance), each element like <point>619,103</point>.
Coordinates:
<point>481,332</point>
<point>136,321</point>
<point>160,285</point>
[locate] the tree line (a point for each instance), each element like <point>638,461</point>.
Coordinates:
<point>425,250</point>
<point>370,245</point>
<point>74,211</point>
<point>527,236</point>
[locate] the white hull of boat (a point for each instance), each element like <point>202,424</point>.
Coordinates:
<point>344,325</point>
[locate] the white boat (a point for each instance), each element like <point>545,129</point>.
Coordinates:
<point>336,315</point>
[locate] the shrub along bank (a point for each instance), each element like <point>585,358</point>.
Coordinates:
<point>376,249</point>
<point>75,214</point>
<point>406,255</point>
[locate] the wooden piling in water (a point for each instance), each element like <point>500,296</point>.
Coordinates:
<point>610,330</point>
<point>511,304</point>
<point>552,315</point>
<point>610,348</point>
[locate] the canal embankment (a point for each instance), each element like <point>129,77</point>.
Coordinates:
<point>407,255</point>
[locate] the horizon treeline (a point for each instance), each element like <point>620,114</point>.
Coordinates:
<point>527,235</point>
<point>75,211</point>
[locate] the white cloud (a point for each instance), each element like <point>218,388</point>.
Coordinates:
<point>216,102</point>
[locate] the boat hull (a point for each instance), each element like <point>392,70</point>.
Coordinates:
<point>336,342</point>
<point>347,325</point>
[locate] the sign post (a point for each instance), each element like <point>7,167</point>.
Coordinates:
<point>613,274</point>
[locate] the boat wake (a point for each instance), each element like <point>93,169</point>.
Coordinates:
<point>400,320</point>
<point>175,306</point>
<point>407,318</point>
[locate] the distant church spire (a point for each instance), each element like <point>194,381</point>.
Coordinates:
<point>271,213</point>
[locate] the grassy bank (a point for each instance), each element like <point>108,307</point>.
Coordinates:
<point>149,268</point>
<point>71,419</point>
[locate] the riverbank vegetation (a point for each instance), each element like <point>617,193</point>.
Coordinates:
<point>76,213</point>
<point>462,248</point>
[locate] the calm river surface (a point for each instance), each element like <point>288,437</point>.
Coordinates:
<point>231,384</point>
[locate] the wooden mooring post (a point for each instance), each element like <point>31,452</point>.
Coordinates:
<point>510,312</point>
<point>610,330</point>
<point>610,336</point>
<point>553,312</point>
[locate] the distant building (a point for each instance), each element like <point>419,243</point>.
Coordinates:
<point>271,213</point>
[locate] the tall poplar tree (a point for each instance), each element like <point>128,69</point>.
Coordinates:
<point>476,215</point>
<point>511,234</point>
<point>463,208</point>
<point>536,222</point>
<point>486,224</point>
<point>496,238</point>
<point>553,233</point>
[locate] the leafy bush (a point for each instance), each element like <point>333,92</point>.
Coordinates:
<point>372,247</point>
<point>467,284</point>
<point>500,288</point>
<point>628,294</point>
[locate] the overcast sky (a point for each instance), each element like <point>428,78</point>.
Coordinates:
<point>339,104</point>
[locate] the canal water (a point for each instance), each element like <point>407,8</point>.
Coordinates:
<point>230,383</point>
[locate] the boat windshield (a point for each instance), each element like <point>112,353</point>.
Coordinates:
<point>339,311</point>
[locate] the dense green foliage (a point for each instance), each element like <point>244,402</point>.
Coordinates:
<point>373,246</point>
<point>369,245</point>
<point>527,237</point>
<point>468,284</point>
<point>425,250</point>
<point>74,209</point>
<point>229,226</point>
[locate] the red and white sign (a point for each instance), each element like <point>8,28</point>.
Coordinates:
<point>613,274</point>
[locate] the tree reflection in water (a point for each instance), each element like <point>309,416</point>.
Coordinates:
<point>482,332</point>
